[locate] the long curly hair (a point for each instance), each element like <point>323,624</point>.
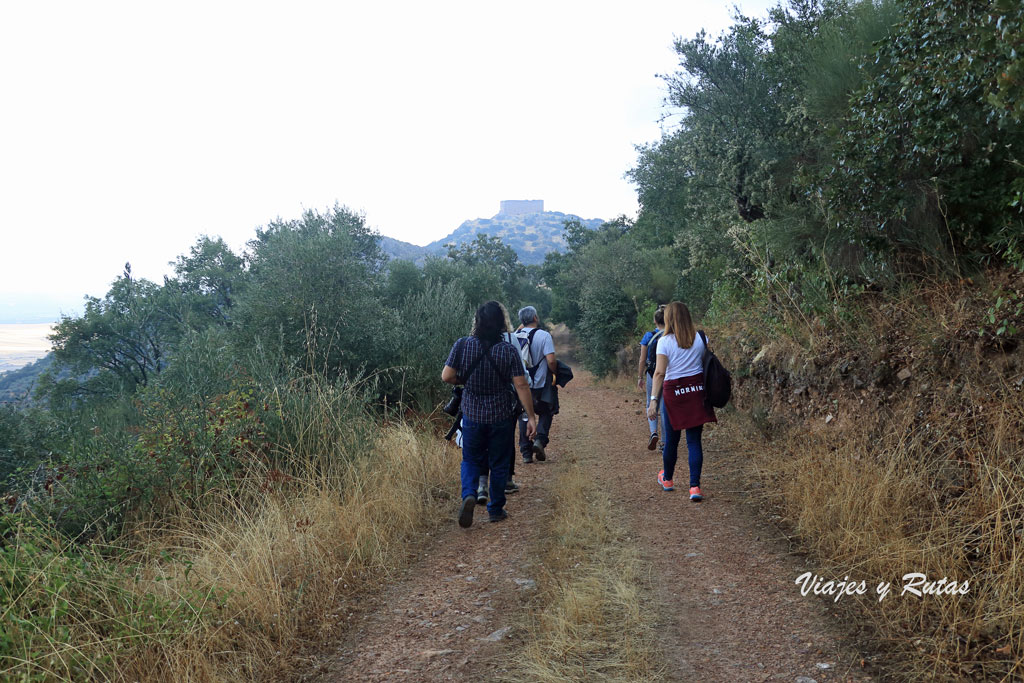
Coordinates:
<point>489,323</point>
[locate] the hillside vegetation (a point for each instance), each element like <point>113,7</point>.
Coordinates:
<point>209,463</point>
<point>841,205</point>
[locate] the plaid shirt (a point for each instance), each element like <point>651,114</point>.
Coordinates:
<point>488,397</point>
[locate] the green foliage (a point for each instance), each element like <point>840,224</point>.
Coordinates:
<point>491,271</point>
<point>122,340</point>
<point>213,277</point>
<point>167,401</point>
<point>922,159</point>
<point>429,322</point>
<point>404,280</point>
<point>313,292</point>
<point>834,148</point>
<point>602,285</point>
<point>18,445</point>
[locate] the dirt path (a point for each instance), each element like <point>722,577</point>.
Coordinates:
<point>453,611</point>
<point>724,598</point>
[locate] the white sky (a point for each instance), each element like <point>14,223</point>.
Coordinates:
<point>128,129</point>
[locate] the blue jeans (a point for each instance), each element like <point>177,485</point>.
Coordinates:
<point>653,424</point>
<point>485,447</point>
<point>669,452</point>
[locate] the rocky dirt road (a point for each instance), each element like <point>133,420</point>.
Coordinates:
<point>723,600</point>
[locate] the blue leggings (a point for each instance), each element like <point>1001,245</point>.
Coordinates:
<point>653,424</point>
<point>670,449</point>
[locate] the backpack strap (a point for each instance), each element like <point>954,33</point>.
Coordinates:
<point>532,370</point>
<point>486,354</point>
<point>704,356</point>
<point>475,363</point>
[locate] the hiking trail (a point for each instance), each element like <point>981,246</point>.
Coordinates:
<point>721,588</point>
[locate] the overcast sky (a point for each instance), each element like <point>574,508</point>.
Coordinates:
<point>128,129</point>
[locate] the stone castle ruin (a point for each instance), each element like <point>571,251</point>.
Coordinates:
<point>514,207</point>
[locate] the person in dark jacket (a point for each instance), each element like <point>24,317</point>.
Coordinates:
<point>492,372</point>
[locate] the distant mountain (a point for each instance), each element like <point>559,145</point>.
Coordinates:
<point>532,235</point>
<point>397,249</point>
<point>17,385</point>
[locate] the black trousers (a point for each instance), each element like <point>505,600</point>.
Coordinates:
<point>544,417</point>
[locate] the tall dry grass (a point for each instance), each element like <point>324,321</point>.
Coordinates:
<point>231,592</point>
<point>926,476</point>
<point>593,624</point>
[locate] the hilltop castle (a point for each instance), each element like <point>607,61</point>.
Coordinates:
<point>514,207</point>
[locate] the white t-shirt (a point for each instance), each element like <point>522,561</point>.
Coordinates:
<point>542,345</point>
<point>682,362</point>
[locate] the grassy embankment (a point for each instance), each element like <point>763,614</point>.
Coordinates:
<point>895,444</point>
<point>233,589</point>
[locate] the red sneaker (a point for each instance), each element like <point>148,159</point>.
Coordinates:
<point>695,494</point>
<point>666,484</point>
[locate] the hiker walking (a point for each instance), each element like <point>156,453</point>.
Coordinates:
<point>538,352</point>
<point>510,484</point>
<point>648,364</point>
<point>679,380</point>
<point>492,373</point>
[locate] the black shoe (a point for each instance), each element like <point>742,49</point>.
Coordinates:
<point>481,494</point>
<point>466,511</point>
<point>497,516</point>
<point>527,458</point>
<point>653,443</point>
<point>538,451</point>
<point>511,487</point>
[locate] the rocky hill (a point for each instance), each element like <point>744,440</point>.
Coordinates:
<point>532,235</point>
<point>16,385</point>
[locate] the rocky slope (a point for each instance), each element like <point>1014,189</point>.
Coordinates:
<point>532,235</point>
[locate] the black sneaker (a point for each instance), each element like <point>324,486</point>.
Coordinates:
<point>653,443</point>
<point>466,511</point>
<point>527,458</point>
<point>481,492</point>
<point>511,487</point>
<point>498,516</point>
<point>538,451</point>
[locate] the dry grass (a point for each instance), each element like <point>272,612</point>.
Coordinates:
<point>244,586</point>
<point>593,625</point>
<point>923,477</point>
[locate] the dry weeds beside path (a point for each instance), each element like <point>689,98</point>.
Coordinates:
<point>456,607</point>
<point>721,594</point>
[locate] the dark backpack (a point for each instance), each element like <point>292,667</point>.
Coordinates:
<point>717,380</point>
<point>652,353</point>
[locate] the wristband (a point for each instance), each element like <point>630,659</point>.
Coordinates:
<point>654,397</point>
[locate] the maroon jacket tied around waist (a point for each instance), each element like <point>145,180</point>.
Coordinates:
<point>684,402</point>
